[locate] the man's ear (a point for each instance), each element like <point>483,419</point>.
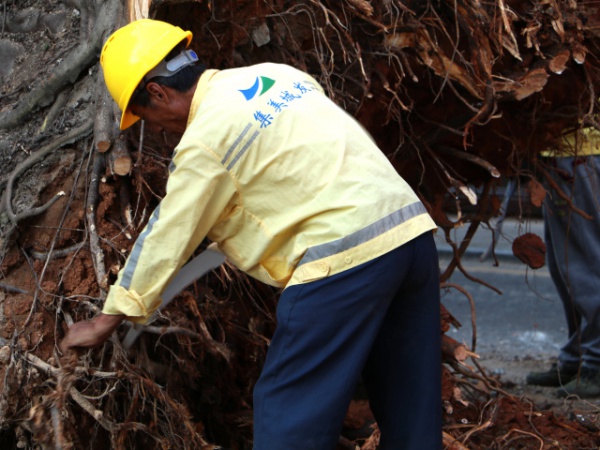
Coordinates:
<point>157,93</point>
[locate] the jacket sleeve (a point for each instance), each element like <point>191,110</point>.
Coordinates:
<point>198,191</point>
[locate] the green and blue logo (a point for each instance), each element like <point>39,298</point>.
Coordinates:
<point>260,86</point>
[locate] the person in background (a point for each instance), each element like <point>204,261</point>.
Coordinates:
<point>296,194</point>
<point>573,256</point>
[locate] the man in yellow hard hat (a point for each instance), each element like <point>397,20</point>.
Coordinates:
<point>296,194</point>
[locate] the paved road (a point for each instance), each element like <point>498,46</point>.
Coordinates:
<point>526,320</point>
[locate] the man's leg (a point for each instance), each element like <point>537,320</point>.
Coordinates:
<point>403,372</point>
<point>575,249</point>
<point>574,246</point>
<point>324,334</point>
<point>555,231</point>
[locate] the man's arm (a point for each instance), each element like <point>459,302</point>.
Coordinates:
<point>198,190</point>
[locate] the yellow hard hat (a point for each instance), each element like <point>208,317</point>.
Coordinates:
<point>130,53</point>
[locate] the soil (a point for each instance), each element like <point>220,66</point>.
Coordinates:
<point>512,372</point>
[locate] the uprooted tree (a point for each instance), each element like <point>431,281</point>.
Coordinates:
<point>458,94</point>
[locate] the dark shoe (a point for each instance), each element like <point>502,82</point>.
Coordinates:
<point>555,377</point>
<point>586,385</point>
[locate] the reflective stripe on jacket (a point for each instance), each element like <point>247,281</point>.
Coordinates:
<point>289,185</point>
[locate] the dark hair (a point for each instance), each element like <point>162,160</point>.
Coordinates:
<point>182,81</point>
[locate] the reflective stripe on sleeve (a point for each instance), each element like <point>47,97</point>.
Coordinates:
<point>132,261</point>
<point>231,149</point>
<point>243,150</point>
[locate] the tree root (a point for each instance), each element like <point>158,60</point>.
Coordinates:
<point>60,253</point>
<point>68,71</point>
<point>561,193</point>
<point>73,136</point>
<point>458,252</point>
<point>212,346</point>
<point>472,309</point>
<point>90,214</point>
<point>47,415</point>
<point>11,289</point>
<point>471,158</point>
<point>61,100</point>
<point>98,415</point>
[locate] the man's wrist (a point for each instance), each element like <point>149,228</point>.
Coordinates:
<point>107,323</point>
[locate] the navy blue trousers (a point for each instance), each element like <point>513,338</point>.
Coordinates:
<point>379,321</point>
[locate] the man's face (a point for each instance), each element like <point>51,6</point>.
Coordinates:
<point>168,109</point>
<point>159,118</point>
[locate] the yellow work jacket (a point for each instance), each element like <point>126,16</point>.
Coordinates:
<point>289,185</point>
<point>585,142</point>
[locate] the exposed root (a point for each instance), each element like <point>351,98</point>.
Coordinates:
<point>73,136</point>
<point>174,422</point>
<point>556,188</point>
<point>90,209</point>
<point>212,346</point>
<point>493,171</point>
<point>472,309</point>
<point>12,289</point>
<point>68,70</point>
<point>58,253</point>
<point>458,252</point>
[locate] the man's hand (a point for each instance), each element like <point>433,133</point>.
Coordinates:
<point>90,333</point>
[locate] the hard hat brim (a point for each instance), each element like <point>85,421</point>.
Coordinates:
<point>127,120</point>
